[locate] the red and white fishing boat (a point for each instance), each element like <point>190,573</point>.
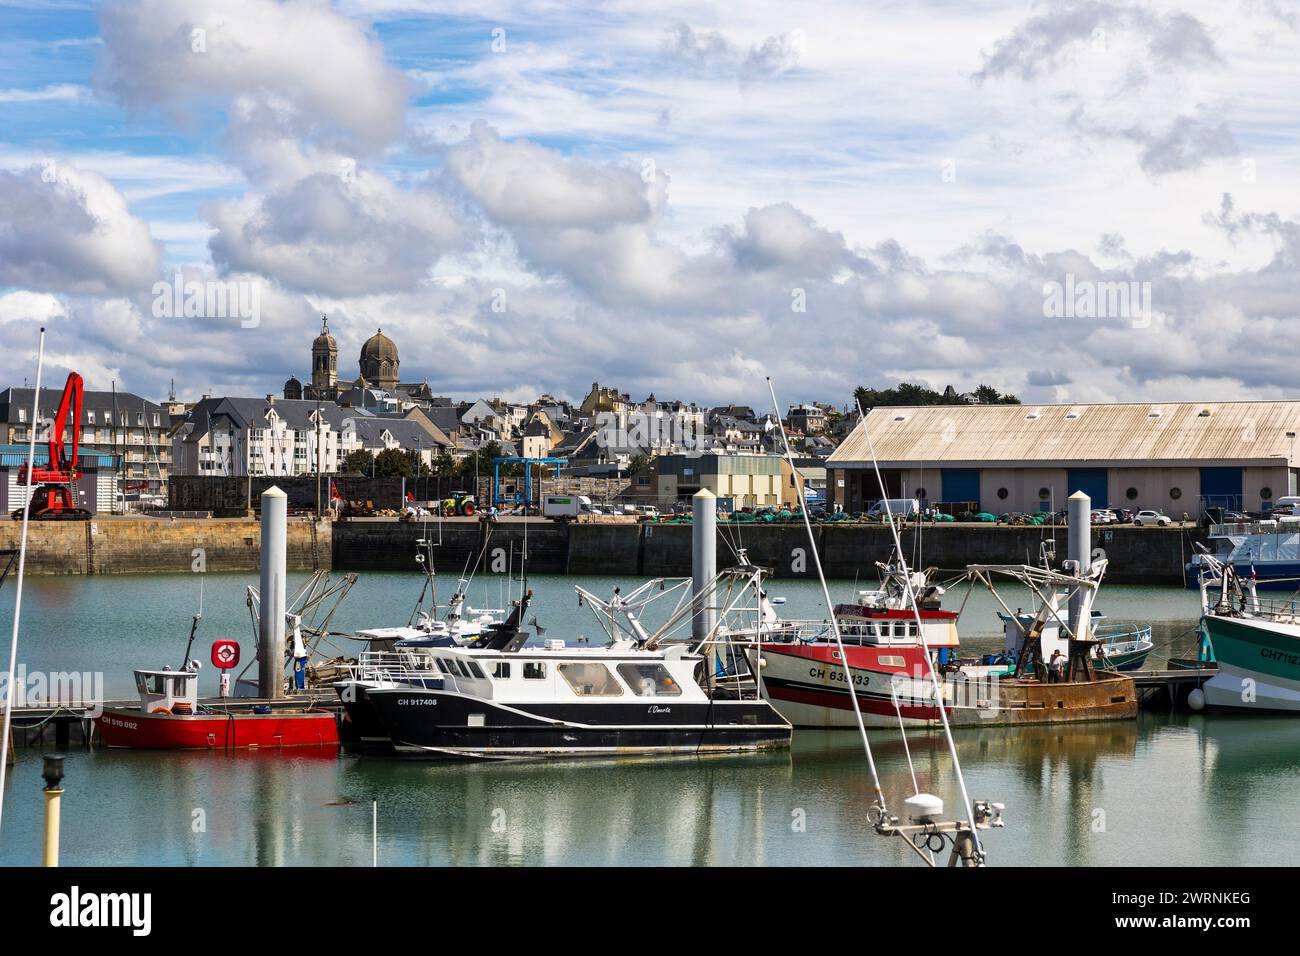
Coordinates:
<point>170,717</point>
<point>804,677</point>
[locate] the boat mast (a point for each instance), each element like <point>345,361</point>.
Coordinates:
<point>971,833</point>
<point>9,689</point>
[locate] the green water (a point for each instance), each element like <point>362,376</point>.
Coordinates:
<point>1173,789</point>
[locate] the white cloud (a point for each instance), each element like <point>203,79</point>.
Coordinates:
<point>69,230</point>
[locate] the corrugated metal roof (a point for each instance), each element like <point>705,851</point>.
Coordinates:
<point>11,456</point>
<point>1173,432</point>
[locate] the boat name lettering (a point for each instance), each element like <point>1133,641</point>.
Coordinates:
<point>656,709</point>
<point>818,673</point>
<point>118,722</point>
<point>416,702</point>
<point>1269,654</point>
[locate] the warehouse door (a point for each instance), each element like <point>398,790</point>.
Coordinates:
<point>1221,488</point>
<point>1092,482</point>
<point>961,486</point>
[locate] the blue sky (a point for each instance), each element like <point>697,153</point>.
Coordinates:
<point>649,188</point>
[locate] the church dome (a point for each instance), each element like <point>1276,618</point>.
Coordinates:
<point>379,348</point>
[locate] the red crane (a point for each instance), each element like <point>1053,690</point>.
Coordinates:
<point>54,498</point>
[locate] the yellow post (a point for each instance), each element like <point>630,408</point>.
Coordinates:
<point>53,774</point>
<point>51,857</point>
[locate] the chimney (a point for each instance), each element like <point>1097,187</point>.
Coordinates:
<point>270,399</point>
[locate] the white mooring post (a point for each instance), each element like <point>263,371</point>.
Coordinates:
<point>270,646</point>
<point>1079,551</point>
<point>704,559</point>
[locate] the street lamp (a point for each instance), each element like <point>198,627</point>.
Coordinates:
<point>52,771</point>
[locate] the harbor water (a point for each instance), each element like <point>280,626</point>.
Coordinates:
<point>1174,789</point>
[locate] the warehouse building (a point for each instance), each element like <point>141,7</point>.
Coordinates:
<point>1178,458</point>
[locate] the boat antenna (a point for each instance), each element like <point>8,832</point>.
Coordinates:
<point>9,689</point>
<point>925,645</point>
<point>194,626</point>
<point>830,608</point>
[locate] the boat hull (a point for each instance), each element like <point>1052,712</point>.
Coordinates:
<point>445,725</point>
<point>135,729</point>
<point>360,729</point>
<point>1258,665</point>
<point>807,685</point>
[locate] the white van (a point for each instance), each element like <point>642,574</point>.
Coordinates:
<point>1287,504</point>
<point>566,507</point>
<point>898,507</point>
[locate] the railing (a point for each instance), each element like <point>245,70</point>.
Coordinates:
<point>1122,638</point>
<point>1263,526</point>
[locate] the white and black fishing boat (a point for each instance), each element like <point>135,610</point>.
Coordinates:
<point>499,698</point>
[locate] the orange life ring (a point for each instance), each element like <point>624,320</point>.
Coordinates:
<point>161,710</point>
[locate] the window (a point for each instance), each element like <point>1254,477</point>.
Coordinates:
<point>474,670</point>
<point>650,680</point>
<point>90,416</point>
<point>445,667</point>
<point>1002,493</point>
<point>1044,494</point>
<point>22,414</point>
<point>534,670</point>
<point>1131,494</point>
<point>1266,493</point>
<point>1175,493</point>
<point>501,670</point>
<point>590,680</point>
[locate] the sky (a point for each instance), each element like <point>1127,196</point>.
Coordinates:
<point>671,198</point>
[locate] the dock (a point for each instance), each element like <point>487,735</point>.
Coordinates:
<point>1168,689</point>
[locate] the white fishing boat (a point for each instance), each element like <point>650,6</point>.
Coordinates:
<point>1255,643</point>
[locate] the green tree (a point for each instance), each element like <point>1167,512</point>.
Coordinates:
<point>637,464</point>
<point>911,394</point>
<point>393,463</point>
<point>359,462</point>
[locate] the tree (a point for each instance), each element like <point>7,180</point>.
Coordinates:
<point>444,465</point>
<point>359,462</point>
<point>393,463</point>
<point>637,463</point>
<point>910,393</point>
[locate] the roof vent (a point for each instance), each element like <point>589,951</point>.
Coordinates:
<point>900,418</point>
<point>1074,413</point>
<point>1205,413</point>
<point>1154,413</point>
<point>1031,415</point>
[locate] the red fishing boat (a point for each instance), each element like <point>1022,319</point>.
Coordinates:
<point>170,717</point>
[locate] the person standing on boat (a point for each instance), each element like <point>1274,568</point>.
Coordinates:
<point>1056,667</point>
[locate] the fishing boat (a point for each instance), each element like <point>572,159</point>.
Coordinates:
<point>1121,646</point>
<point>1256,645</point>
<point>803,674</point>
<point>1268,547</point>
<point>170,716</point>
<point>499,698</point>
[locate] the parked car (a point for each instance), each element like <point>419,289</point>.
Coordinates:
<point>1143,518</point>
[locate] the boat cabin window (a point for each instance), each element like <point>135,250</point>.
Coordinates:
<point>445,667</point>
<point>157,684</point>
<point>650,680</point>
<point>591,680</point>
<point>475,670</point>
<point>501,670</point>
<point>534,670</point>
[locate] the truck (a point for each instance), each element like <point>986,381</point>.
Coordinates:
<point>566,507</point>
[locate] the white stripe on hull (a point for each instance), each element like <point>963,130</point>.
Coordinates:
<point>1226,687</point>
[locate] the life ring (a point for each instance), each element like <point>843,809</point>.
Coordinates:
<point>161,710</point>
